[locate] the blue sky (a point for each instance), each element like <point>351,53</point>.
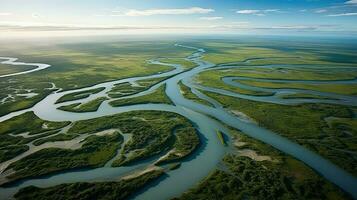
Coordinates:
<point>332,17</point>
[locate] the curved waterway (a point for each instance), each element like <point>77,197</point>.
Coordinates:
<point>198,165</point>
<point>12,61</point>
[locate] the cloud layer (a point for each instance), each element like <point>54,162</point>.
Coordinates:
<point>175,11</point>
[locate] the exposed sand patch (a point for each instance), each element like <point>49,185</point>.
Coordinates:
<point>45,126</point>
<point>243,116</point>
<point>239,144</point>
<point>140,118</point>
<point>142,172</point>
<point>253,155</point>
<point>106,132</point>
<point>171,152</point>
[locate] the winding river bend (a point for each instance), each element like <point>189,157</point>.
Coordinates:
<point>206,158</point>
<point>12,61</point>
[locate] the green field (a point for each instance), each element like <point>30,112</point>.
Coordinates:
<point>304,124</point>
<point>10,69</point>
<point>90,106</point>
<point>152,146</point>
<point>158,96</point>
<point>278,176</point>
<point>97,62</point>
<point>100,190</point>
<point>212,78</point>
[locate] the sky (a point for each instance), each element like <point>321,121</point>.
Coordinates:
<point>295,17</point>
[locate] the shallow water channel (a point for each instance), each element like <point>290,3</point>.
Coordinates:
<point>205,159</point>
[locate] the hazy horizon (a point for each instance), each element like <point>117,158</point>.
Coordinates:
<point>277,17</point>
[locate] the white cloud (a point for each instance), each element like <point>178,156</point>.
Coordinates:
<point>248,11</point>
<point>175,11</point>
<point>210,18</point>
<point>35,15</point>
<point>342,14</point>
<point>271,10</point>
<point>258,12</point>
<point>5,14</point>
<point>321,11</point>
<point>351,2</point>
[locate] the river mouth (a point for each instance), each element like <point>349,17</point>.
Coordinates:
<point>208,156</point>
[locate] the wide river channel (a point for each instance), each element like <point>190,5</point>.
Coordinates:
<point>207,157</point>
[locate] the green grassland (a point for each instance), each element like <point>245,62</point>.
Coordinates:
<point>212,78</point>
<point>11,146</point>
<point>304,124</point>
<point>55,138</point>
<point>186,141</point>
<point>186,92</point>
<point>95,152</point>
<point>303,96</point>
<point>97,62</point>
<point>158,96</point>
<point>184,63</point>
<point>278,51</point>
<point>121,189</point>
<point>10,151</point>
<point>125,89</point>
<point>285,73</point>
<point>79,95</point>
<point>29,122</point>
<point>9,69</point>
<point>281,177</point>
<point>152,133</point>
<point>14,87</point>
<point>90,106</point>
<point>345,89</point>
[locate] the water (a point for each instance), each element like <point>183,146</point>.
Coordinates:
<point>205,159</point>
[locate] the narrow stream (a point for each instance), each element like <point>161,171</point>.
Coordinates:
<point>203,161</point>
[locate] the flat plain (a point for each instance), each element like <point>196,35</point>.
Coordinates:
<point>237,118</point>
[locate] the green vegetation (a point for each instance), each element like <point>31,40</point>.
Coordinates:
<point>304,96</point>
<point>15,87</point>
<point>152,133</point>
<point>278,52</point>
<point>79,95</point>
<point>29,122</point>
<point>186,142</point>
<point>11,151</point>
<point>348,125</point>
<point>125,89</point>
<point>346,89</point>
<point>304,124</point>
<point>98,62</point>
<point>286,73</point>
<point>55,138</point>
<point>95,152</point>
<point>10,69</point>
<point>186,92</point>
<point>212,78</point>
<point>181,61</point>
<point>220,54</point>
<point>87,191</point>
<point>158,96</point>
<point>174,166</point>
<point>12,146</point>
<point>221,137</point>
<point>90,106</point>
<point>282,177</point>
